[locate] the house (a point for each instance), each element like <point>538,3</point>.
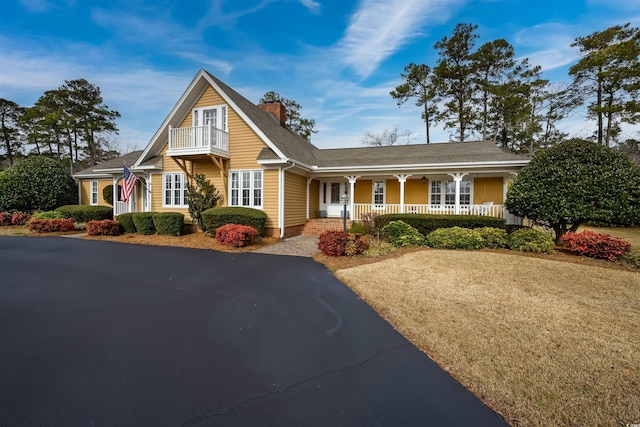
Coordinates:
<point>255,161</point>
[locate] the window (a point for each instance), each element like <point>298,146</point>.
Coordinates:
<point>216,116</point>
<point>246,188</point>
<point>94,193</point>
<point>175,190</point>
<point>335,192</point>
<point>378,194</point>
<point>450,193</point>
<point>436,192</point>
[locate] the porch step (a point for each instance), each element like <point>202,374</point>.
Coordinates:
<point>315,226</point>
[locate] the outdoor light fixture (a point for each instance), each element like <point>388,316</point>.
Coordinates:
<point>424,180</point>
<point>345,201</point>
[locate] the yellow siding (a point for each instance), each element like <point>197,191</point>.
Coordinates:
<point>314,198</point>
<point>270,196</point>
<point>85,191</point>
<point>363,191</point>
<point>415,192</point>
<point>488,190</point>
<point>295,199</point>
<point>393,191</point>
<point>244,147</point>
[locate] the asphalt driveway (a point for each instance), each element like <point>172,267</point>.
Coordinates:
<point>104,334</point>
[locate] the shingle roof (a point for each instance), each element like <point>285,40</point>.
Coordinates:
<point>118,162</point>
<point>289,143</point>
<point>413,154</point>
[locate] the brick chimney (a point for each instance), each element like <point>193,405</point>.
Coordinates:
<point>276,109</point>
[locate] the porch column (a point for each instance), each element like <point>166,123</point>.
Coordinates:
<point>309,179</point>
<point>457,178</point>
<point>115,195</point>
<point>352,188</point>
<point>402,178</point>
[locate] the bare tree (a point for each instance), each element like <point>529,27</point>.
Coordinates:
<point>386,138</point>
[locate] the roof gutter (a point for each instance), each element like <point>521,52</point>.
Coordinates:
<point>281,199</point>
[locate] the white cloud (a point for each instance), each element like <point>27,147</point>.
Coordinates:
<point>380,27</point>
<point>219,65</point>
<point>313,6</point>
<point>548,45</point>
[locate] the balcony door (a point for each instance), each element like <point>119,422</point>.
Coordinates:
<point>215,117</point>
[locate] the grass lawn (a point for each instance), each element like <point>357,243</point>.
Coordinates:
<point>541,341</point>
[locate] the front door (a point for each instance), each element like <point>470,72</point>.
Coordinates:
<point>330,192</point>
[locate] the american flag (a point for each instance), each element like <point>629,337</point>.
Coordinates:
<point>128,184</point>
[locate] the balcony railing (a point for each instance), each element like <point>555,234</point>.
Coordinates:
<point>198,140</point>
<point>359,209</point>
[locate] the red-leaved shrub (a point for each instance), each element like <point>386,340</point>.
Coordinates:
<point>595,245</point>
<point>20,218</point>
<point>333,242</point>
<point>236,235</point>
<point>5,219</point>
<point>105,227</point>
<point>51,225</point>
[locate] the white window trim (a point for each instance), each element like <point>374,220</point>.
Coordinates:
<point>197,115</point>
<point>241,188</point>
<point>164,189</point>
<point>443,191</point>
<point>384,194</point>
<point>91,193</point>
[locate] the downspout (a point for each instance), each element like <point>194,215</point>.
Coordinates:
<point>281,200</point>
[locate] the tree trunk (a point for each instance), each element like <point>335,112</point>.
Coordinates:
<point>599,106</point>
<point>426,120</point>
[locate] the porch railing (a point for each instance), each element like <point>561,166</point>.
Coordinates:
<point>120,208</point>
<point>487,210</point>
<point>198,140</point>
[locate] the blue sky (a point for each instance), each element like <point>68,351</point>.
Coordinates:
<point>338,59</point>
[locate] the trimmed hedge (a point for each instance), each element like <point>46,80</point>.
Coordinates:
<point>215,218</point>
<point>456,238</point>
<point>82,213</point>
<point>169,223</point>
<point>126,221</point>
<point>426,223</point>
<point>531,240</point>
<point>144,222</point>
<point>20,218</point>
<point>105,227</point>
<point>51,225</point>
<point>236,235</point>
<point>399,233</point>
<point>495,238</point>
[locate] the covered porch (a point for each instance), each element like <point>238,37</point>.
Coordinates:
<point>448,193</point>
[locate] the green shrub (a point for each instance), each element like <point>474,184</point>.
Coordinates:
<point>144,222</point>
<point>632,257</point>
<point>217,217</point>
<point>456,238</point>
<point>107,193</point>
<point>399,233</point>
<point>36,183</point>
<point>82,213</point>
<point>80,226</point>
<point>169,223</point>
<point>495,238</point>
<point>531,240</point>
<point>426,223</point>
<point>201,196</point>
<point>48,215</point>
<point>126,221</point>
<point>357,227</point>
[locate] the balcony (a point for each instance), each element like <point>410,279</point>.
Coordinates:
<point>198,140</point>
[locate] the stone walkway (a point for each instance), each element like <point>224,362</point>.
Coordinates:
<point>305,246</point>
